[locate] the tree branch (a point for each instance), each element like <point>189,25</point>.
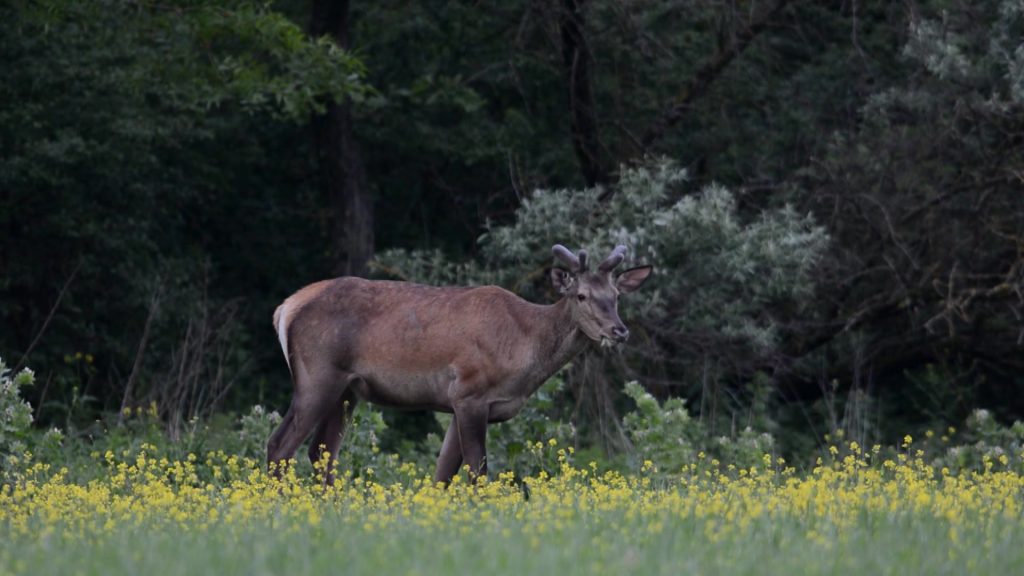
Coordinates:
<point>49,317</point>
<point>708,73</point>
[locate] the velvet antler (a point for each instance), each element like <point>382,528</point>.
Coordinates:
<point>613,259</point>
<point>576,264</point>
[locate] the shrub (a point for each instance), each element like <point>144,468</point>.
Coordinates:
<point>983,443</point>
<point>662,433</point>
<point>15,413</point>
<point>731,271</point>
<point>725,282</point>
<point>666,438</point>
<point>255,429</point>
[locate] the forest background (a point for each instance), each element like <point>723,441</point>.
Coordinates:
<point>832,194</point>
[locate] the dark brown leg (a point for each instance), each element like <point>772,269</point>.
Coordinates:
<point>472,423</point>
<point>450,458</point>
<point>314,397</point>
<point>330,433</point>
<point>274,443</point>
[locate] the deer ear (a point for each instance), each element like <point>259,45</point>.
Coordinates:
<point>562,280</point>
<point>633,278</point>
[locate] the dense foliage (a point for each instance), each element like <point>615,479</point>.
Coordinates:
<point>831,193</point>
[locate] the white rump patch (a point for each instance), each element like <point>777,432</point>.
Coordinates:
<point>281,323</point>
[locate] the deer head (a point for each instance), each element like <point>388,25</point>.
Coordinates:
<point>593,297</point>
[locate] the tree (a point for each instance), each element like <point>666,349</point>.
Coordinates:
<point>342,172</point>
<point>133,167</point>
<point>926,203</point>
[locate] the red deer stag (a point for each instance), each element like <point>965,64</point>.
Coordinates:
<point>477,353</point>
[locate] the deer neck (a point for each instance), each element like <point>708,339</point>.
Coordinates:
<point>558,340</point>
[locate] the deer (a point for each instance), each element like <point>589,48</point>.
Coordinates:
<point>477,353</point>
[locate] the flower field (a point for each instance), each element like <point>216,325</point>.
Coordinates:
<point>218,514</point>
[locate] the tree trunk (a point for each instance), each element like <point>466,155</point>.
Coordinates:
<point>342,173</point>
<point>586,141</point>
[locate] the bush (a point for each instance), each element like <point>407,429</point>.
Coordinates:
<point>255,429</point>
<point>983,444</point>
<point>666,438</point>
<point>725,283</point>
<point>663,434</point>
<point>360,452</point>
<point>732,271</point>
<point>15,413</point>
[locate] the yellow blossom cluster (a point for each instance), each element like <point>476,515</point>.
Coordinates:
<point>221,493</point>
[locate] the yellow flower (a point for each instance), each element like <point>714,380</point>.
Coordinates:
<point>734,503</point>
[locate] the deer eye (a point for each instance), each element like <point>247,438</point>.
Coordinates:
<point>581,297</point>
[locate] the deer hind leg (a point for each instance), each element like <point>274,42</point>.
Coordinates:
<point>274,442</point>
<point>316,394</point>
<point>472,426</point>
<point>329,434</point>
<point>450,458</point>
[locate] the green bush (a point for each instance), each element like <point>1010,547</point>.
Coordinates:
<point>983,444</point>
<point>724,279</point>
<point>666,438</point>
<point>662,433</point>
<point>15,414</point>
<point>254,430</point>
<point>16,437</point>
<point>731,270</point>
<point>360,452</point>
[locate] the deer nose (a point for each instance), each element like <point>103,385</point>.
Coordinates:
<point>621,333</point>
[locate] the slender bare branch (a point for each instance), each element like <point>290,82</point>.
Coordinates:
<point>154,306</point>
<point>49,317</point>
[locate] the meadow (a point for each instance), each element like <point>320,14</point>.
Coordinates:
<point>856,512</point>
<point>830,194</point>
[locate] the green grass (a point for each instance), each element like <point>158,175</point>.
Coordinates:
<point>877,545</point>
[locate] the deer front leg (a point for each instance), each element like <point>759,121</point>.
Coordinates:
<point>450,458</point>
<point>472,425</point>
